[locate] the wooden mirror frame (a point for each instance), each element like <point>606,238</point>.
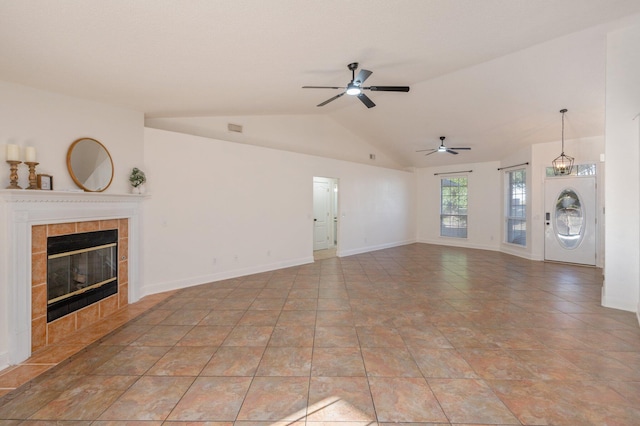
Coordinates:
<point>99,152</point>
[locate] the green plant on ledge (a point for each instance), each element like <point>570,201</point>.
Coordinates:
<point>137,177</point>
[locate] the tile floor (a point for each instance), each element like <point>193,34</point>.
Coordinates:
<point>419,334</point>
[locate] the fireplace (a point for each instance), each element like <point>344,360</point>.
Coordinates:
<point>88,271</point>
<point>31,217</point>
<point>81,269</point>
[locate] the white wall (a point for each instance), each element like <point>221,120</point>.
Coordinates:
<point>220,209</point>
<point>305,134</point>
<point>51,122</point>
<point>622,246</point>
<point>484,210</point>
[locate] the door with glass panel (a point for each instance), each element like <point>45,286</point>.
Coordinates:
<point>570,220</point>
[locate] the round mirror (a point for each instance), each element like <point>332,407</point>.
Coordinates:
<point>90,165</point>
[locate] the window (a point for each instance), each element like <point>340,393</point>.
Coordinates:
<point>517,207</point>
<point>453,207</point>
<point>578,170</point>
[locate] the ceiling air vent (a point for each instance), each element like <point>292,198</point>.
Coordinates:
<point>234,127</point>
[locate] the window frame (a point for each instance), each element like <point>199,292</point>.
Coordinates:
<point>454,209</point>
<point>515,213</point>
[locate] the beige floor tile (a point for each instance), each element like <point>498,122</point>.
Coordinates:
<point>86,400</point>
<point>244,335</point>
<point>150,398</point>
<point>336,337</point>
<point>405,400</point>
<point>276,398</point>
<point>340,399</point>
<point>345,362</point>
<point>390,362</point>
<point>461,398</point>
<point>205,335</point>
<point>234,361</point>
<point>182,361</point>
<point>199,405</point>
<point>285,361</point>
<point>418,334</point>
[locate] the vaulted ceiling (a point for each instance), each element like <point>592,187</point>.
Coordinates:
<point>489,74</point>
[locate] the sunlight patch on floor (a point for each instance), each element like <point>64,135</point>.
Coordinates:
<point>330,409</point>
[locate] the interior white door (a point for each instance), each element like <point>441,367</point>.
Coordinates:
<point>321,214</point>
<point>570,220</point>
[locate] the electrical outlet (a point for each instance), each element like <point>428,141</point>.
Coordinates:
<point>215,261</point>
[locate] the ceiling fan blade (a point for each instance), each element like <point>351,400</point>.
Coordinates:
<point>432,152</point>
<point>322,87</point>
<point>362,76</point>
<point>451,152</point>
<point>469,149</point>
<point>331,99</point>
<point>388,88</point>
<point>423,150</point>
<point>365,100</point>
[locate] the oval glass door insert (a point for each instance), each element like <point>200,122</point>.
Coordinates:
<point>569,219</point>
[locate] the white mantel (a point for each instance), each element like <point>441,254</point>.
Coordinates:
<point>22,209</point>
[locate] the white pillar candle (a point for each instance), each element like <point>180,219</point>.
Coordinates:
<point>13,152</point>
<point>30,154</point>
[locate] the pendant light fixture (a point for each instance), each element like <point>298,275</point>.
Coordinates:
<point>563,164</point>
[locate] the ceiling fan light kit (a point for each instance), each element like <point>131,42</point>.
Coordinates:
<point>355,87</point>
<point>352,89</point>
<point>563,164</point>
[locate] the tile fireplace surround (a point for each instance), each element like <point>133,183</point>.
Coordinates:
<point>26,217</point>
<point>45,333</point>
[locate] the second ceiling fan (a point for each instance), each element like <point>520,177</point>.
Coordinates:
<point>443,148</point>
<point>355,87</point>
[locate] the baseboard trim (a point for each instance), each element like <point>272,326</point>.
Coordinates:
<point>450,242</point>
<point>4,360</point>
<point>225,275</point>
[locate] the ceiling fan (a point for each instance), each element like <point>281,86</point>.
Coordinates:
<point>355,87</point>
<point>443,148</point>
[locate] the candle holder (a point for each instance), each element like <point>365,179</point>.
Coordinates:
<point>33,181</point>
<point>13,174</point>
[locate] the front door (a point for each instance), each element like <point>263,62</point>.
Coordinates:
<point>570,220</point>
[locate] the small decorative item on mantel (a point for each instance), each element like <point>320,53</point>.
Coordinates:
<point>13,154</point>
<point>30,161</point>
<point>137,180</point>
<point>45,182</point>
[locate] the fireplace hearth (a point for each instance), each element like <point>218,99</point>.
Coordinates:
<point>82,269</point>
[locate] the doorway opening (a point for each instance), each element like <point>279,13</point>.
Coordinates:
<point>325,217</point>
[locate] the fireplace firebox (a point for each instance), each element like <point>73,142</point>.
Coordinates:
<point>81,269</point>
